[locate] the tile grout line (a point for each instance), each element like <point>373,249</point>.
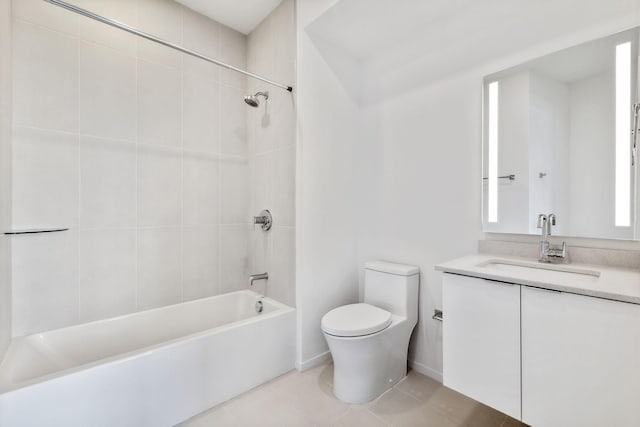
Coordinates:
<point>136,293</point>
<point>182,169</point>
<point>79,182</point>
<point>218,150</point>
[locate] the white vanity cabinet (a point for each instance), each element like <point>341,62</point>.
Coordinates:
<point>481,341</point>
<point>580,360</point>
<point>549,358</point>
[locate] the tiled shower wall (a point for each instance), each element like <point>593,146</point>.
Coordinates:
<point>141,151</point>
<point>5,173</point>
<point>272,151</point>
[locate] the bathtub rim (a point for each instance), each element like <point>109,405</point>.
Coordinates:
<point>281,309</point>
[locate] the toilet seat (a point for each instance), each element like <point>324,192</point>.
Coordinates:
<point>355,320</point>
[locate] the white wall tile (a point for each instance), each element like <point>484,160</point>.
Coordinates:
<point>159,187</point>
<point>46,15</point>
<point>233,137</point>
<point>159,105</point>
<point>260,250</point>
<point>234,191</point>
<point>284,186</point>
<point>281,284</point>
<point>284,42</point>
<point>45,178</point>
<point>263,125</point>
<point>233,51</point>
<point>107,183</point>
<point>159,267</point>
<point>107,273</point>
<point>201,112</point>
<point>139,169</point>
<point>45,281</point>
<point>202,35</point>
<point>107,93</point>
<point>5,174</point>
<point>163,19</point>
<point>261,185</point>
<point>45,78</point>
<point>125,11</point>
<point>286,125</point>
<point>233,257</point>
<point>200,190</point>
<point>260,254</point>
<point>272,154</point>
<point>200,262</point>
<point>261,49</point>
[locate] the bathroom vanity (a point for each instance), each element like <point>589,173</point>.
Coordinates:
<point>551,345</point>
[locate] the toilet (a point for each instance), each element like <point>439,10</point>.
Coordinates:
<point>369,340</point>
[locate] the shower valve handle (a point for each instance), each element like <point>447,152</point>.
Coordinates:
<point>264,219</point>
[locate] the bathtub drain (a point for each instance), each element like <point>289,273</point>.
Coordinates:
<point>259,306</point>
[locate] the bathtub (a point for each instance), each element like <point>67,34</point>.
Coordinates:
<point>152,368</point>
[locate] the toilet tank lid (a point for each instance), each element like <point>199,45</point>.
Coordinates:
<point>392,268</point>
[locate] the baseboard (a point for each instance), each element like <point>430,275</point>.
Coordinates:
<point>426,371</point>
<point>318,360</point>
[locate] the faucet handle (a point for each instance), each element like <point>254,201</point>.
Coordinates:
<point>542,221</point>
<point>558,253</point>
<point>265,220</point>
<point>552,219</point>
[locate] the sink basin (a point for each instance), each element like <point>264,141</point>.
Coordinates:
<point>551,271</point>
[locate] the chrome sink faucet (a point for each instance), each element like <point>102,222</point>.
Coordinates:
<point>549,253</point>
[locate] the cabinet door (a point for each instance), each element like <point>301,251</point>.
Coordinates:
<point>481,341</point>
<point>580,361</point>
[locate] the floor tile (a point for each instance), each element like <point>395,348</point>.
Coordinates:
<point>418,386</point>
<point>313,396</point>
<point>357,417</point>
<point>306,399</point>
<point>218,416</point>
<point>510,422</point>
<point>265,406</point>
<point>399,409</point>
<point>465,411</point>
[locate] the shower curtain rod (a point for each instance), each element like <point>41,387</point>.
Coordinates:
<point>155,39</point>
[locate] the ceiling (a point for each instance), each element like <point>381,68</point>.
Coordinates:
<point>399,45</point>
<point>243,16</point>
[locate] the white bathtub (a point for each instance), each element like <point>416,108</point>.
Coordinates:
<point>153,368</point>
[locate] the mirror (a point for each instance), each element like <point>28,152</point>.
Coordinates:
<point>557,138</point>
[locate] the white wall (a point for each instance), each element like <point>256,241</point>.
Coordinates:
<point>431,141</point>
<point>429,202</point>
<point>417,160</point>
<point>139,149</point>
<point>272,152</point>
<point>326,222</point>
<point>5,173</point>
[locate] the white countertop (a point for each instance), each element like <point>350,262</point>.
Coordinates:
<point>613,283</point>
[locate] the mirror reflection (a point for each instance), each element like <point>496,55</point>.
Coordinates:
<point>558,140</point>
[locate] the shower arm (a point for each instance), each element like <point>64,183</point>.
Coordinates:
<point>132,30</point>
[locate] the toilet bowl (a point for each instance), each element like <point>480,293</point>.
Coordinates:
<point>369,341</point>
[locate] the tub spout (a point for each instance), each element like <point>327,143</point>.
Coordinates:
<point>254,277</point>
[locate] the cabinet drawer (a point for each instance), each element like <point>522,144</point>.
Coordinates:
<point>580,361</point>
<point>481,341</point>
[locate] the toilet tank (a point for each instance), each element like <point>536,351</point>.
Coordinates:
<point>393,287</point>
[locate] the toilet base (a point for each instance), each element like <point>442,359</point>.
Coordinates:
<point>365,367</point>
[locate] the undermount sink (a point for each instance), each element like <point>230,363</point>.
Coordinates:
<point>549,270</point>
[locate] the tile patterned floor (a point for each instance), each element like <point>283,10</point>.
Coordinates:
<point>305,399</point>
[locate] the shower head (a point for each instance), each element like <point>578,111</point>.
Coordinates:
<point>253,101</point>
